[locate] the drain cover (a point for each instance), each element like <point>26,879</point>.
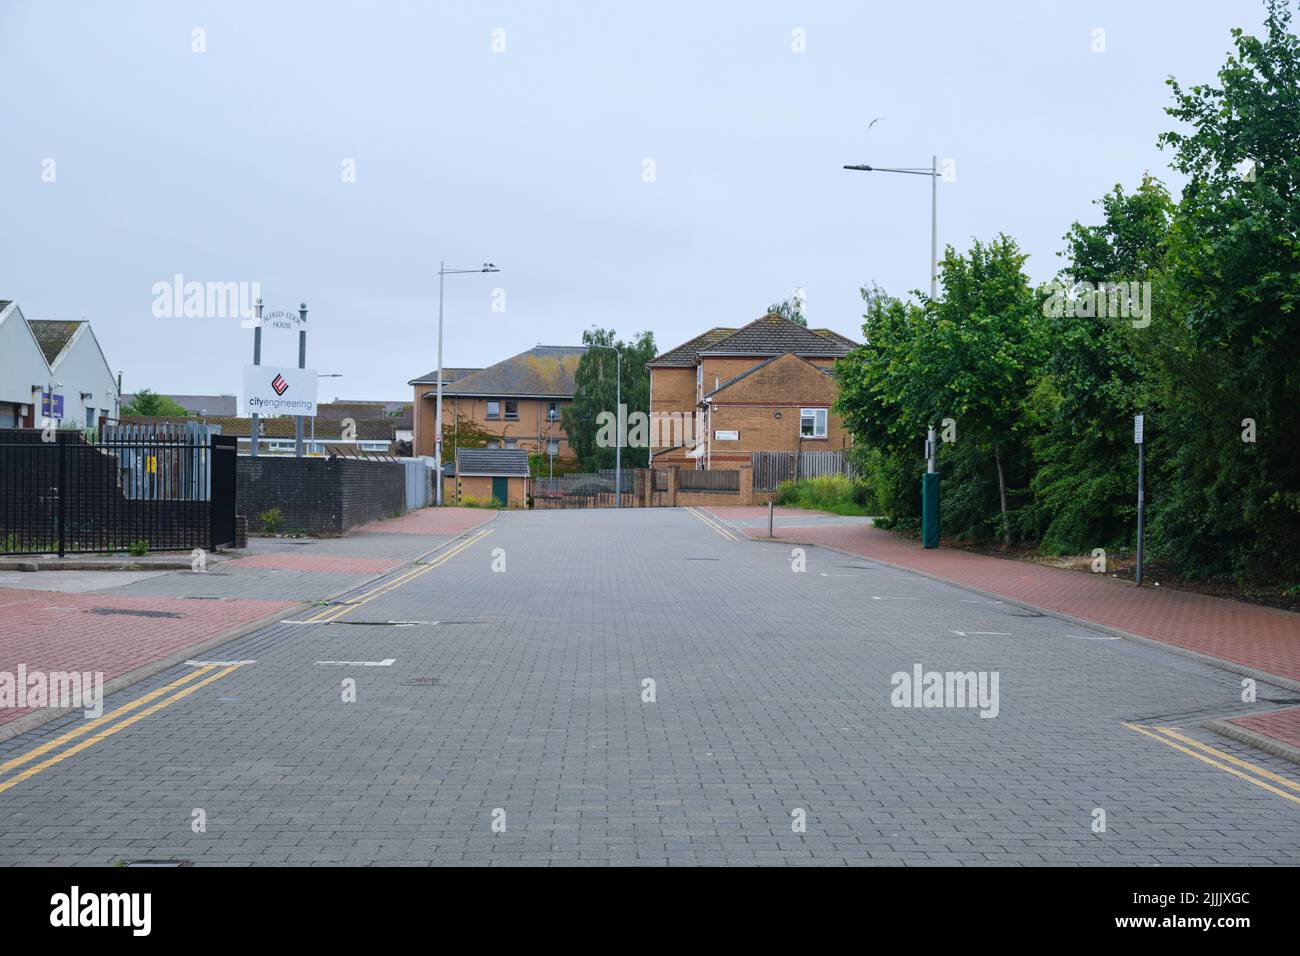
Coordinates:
<point>134,613</point>
<point>157,863</point>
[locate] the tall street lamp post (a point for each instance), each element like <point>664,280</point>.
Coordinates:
<point>933,173</point>
<point>443,272</point>
<point>930,482</point>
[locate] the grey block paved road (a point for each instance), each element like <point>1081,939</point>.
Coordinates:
<point>772,695</point>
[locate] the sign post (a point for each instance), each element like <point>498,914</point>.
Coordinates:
<point>1140,440</point>
<point>302,363</point>
<point>257,360</point>
<point>930,492</point>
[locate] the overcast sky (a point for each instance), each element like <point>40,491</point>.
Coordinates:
<point>229,165</point>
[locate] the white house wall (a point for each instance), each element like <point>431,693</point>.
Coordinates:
<point>80,367</point>
<point>22,364</point>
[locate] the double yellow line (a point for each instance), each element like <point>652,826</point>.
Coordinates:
<point>101,728</point>
<point>714,523</point>
<point>182,688</point>
<point>1222,761</point>
<point>336,611</point>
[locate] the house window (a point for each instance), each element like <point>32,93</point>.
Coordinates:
<point>552,446</point>
<point>812,423</point>
<point>492,443</point>
<point>512,409</point>
<point>552,411</point>
<point>512,442</point>
<point>493,408</point>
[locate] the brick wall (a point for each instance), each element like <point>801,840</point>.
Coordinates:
<point>531,429</point>
<point>319,495</point>
<point>673,390</point>
<point>751,406</point>
<point>479,487</point>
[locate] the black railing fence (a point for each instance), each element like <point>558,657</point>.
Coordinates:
<point>164,490</point>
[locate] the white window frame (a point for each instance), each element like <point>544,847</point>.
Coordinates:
<point>819,418</point>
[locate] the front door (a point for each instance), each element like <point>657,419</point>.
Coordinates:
<point>501,490</point>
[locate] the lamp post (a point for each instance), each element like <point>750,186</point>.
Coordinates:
<point>313,418</point>
<point>443,272</point>
<point>930,482</point>
<point>933,173</point>
<point>618,416</point>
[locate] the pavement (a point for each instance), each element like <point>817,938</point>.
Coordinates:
<point>1256,641</point>
<point>647,687</point>
<point>127,624</point>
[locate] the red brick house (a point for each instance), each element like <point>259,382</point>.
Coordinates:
<point>768,386</point>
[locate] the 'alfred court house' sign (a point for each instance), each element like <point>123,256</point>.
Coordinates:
<point>278,390</point>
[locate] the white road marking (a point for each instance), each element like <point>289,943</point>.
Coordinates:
<point>386,662</point>
<point>1094,637</point>
<point>874,598</point>
<point>982,633</point>
<point>218,663</point>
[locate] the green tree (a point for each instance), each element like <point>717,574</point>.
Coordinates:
<point>1093,383</point>
<point>791,309</point>
<point>595,394</point>
<point>150,404</point>
<point>464,433</point>
<point>1229,350</point>
<point>972,356</point>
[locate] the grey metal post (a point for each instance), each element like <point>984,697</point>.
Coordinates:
<point>618,448</point>
<point>302,363</point>
<point>1141,500</point>
<point>934,227</point>
<point>771,509</point>
<point>931,451</point>
<point>437,428</point>
<point>257,360</point>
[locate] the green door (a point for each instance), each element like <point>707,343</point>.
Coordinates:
<point>501,490</point>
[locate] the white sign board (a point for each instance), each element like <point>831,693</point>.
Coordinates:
<point>289,320</point>
<point>276,390</point>
<point>1137,429</point>
<point>720,435</point>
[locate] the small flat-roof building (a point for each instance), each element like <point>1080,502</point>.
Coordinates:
<point>499,474</point>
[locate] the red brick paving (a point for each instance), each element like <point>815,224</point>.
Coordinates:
<point>330,563</point>
<point>1245,634</point>
<point>1282,725</point>
<point>432,521</point>
<point>49,630</point>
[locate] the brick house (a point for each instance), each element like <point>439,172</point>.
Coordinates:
<point>489,474</point>
<point>768,386</point>
<point>518,401</point>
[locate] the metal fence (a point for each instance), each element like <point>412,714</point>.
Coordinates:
<point>721,480</point>
<point>603,499</point>
<point>419,482</point>
<point>160,491</point>
<point>773,467</point>
<point>585,483</point>
<point>585,489</point>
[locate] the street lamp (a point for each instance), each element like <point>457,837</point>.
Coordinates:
<point>443,272</point>
<point>930,481</point>
<point>313,418</point>
<point>933,173</point>
<point>618,415</point>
